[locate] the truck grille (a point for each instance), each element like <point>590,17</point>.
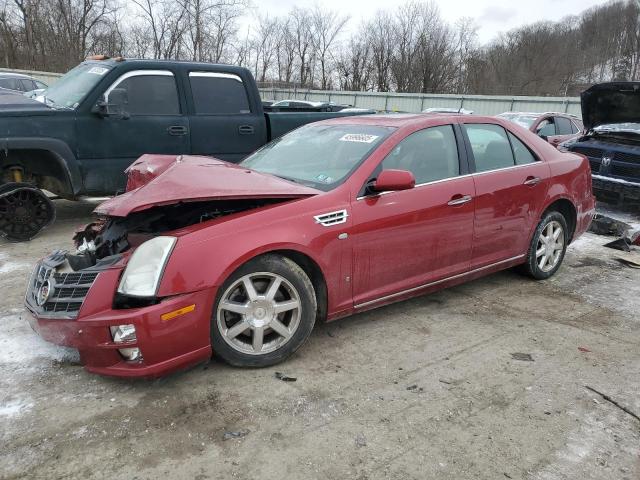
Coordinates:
<point>627,157</point>
<point>631,171</point>
<point>589,152</point>
<point>55,294</point>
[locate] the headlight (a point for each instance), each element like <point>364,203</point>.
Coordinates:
<point>144,270</point>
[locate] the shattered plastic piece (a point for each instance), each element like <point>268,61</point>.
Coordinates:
<point>284,378</point>
<point>412,387</point>
<point>583,349</point>
<point>361,441</point>
<point>619,244</point>
<point>525,357</point>
<point>237,434</point>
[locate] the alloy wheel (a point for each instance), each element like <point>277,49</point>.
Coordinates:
<point>259,313</point>
<point>550,246</point>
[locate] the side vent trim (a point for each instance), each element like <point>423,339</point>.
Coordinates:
<point>332,218</point>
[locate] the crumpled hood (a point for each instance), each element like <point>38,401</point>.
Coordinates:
<point>192,179</point>
<point>614,102</point>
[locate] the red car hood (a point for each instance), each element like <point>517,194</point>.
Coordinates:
<point>191,179</point>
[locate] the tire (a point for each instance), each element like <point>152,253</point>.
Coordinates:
<point>554,253</point>
<point>282,307</point>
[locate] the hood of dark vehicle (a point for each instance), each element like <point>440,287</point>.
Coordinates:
<point>614,102</point>
<point>194,179</point>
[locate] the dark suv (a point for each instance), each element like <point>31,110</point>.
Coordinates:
<point>611,115</point>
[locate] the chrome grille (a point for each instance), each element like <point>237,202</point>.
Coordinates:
<point>627,157</point>
<point>56,294</point>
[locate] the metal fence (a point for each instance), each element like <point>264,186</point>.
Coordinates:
<point>415,102</point>
<point>46,77</point>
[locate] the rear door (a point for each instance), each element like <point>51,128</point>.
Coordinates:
<point>511,184</point>
<point>407,238</point>
<point>223,124</point>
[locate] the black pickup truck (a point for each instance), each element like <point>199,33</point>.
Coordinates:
<point>78,136</point>
<point>611,142</point>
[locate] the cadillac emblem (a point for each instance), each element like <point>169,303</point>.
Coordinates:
<point>44,292</point>
<point>606,160</point>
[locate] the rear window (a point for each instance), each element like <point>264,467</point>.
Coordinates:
<point>218,93</point>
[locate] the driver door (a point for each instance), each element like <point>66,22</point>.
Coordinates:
<point>408,238</point>
<point>153,122</point>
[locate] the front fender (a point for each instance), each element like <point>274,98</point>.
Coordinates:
<point>62,154</point>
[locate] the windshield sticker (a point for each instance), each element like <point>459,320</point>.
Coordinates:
<point>358,137</point>
<point>324,178</point>
<point>98,70</point>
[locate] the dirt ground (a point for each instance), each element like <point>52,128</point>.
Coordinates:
<point>422,389</point>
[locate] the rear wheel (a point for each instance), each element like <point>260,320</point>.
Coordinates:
<point>548,246</point>
<point>263,313</point>
<point>24,211</point>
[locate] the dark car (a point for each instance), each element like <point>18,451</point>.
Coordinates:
<point>20,83</point>
<point>551,126</point>
<point>611,114</point>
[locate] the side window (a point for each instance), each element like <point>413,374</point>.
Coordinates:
<point>149,94</point>
<point>10,83</point>
<point>490,146</point>
<point>546,128</point>
<point>575,128</point>
<point>27,85</point>
<point>430,154</point>
<point>218,93</point>
<point>563,126</point>
<point>40,84</point>
<point>520,151</point>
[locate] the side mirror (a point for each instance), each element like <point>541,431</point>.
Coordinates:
<point>116,104</point>
<point>394,180</point>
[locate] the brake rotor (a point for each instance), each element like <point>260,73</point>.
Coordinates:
<point>24,211</point>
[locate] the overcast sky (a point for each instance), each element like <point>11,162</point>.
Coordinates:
<point>492,16</point>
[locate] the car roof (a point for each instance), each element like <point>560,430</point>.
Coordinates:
<point>14,75</point>
<point>399,120</point>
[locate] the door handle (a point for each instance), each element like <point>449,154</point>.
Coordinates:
<point>531,181</point>
<point>459,200</point>
<point>177,130</point>
<point>246,130</point>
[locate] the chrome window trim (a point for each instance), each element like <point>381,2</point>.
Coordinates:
<point>452,178</point>
<point>231,76</point>
<point>137,73</point>
<point>437,282</point>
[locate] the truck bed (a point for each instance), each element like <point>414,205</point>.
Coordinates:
<point>279,123</point>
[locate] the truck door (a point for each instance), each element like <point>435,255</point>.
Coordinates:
<point>223,124</point>
<point>152,121</point>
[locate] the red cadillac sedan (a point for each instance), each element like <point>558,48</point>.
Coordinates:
<point>201,256</point>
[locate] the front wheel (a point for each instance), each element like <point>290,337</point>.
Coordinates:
<point>263,312</point>
<point>548,246</point>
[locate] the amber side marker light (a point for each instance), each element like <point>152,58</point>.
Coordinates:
<point>176,313</point>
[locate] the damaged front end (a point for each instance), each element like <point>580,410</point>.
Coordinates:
<point>103,298</point>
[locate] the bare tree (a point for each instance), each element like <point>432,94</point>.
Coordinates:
<point>325,27</point>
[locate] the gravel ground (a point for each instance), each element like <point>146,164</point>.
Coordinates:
<point>427,388</point>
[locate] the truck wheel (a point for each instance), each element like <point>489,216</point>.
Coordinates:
<point>24,211</point>
<point>548,246</point>
<point>263,312</point>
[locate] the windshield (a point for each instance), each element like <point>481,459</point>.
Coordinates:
<point>319,156</point>
<point>73,86</point>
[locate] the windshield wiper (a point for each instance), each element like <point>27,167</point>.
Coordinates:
<point>54,105</point>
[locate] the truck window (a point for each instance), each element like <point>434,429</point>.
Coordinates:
<point>149,92</point>
<point>218,93</point>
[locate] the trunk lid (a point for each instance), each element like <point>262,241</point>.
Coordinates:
<point>610,103</point>
<point>194,179</point>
